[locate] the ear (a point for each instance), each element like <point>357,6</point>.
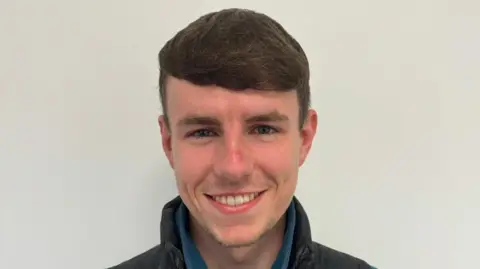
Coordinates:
<point>307,134</point>
<point>166,138</point>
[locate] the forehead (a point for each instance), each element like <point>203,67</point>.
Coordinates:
<point>185,98</point>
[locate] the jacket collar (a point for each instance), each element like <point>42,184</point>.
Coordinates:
<point>169,233</point>
<point>170,236</point>
<point>302,237</point>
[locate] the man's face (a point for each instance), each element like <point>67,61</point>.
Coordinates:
<point>235,155</point>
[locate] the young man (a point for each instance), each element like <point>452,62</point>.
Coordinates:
<point>236,127</point>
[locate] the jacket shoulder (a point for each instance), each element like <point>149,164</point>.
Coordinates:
<point>149,259</point>
<point>325,257</point>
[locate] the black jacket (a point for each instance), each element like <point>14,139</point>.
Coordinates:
<point>305,253</point>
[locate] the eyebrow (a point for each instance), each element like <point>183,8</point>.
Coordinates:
<point>198,120</point>
<point>273,116</point>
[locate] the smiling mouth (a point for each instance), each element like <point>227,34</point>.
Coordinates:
<point>235,200</point>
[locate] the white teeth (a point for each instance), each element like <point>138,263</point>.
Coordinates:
<point>236,200</point>
<point>239,200</point>
<point>230,200</point>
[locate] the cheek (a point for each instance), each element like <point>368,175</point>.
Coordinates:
<point>280,159</point>
<point>191,163</point>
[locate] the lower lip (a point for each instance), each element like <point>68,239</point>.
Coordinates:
<point>226,209</point>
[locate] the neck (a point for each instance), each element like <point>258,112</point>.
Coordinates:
<point>260,254</point>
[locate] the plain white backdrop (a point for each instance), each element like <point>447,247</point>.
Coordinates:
<point>393,177</point>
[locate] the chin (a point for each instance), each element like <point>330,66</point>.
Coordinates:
<point>238,242</point>
<point>237,236</point>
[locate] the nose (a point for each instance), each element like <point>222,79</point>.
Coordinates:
<point>233,159</point>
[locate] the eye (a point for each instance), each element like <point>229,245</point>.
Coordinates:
<point>201,133</point>
<point>264,130</point>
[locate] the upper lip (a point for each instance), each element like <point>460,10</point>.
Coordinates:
<point>234,193</point>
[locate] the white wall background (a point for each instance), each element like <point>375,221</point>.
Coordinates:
<point>394,175</point>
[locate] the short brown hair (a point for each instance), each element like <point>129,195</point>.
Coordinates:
<point>237,49</point>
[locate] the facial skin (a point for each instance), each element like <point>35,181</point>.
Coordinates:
<point>221,141</point>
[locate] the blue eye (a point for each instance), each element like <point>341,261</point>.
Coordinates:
<point>201,133</point>
<point>264,130</point>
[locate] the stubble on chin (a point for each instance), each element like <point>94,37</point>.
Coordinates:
<point>264,233</point>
